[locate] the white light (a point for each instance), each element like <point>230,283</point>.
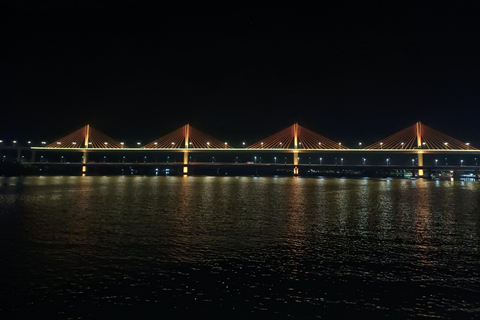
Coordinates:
<point>122,143</point>
<point>74,143</point>
<point>58,142</point>
<point>44,142</point>
<point>29,142</point>
<point>155,143</point>
<point>468,143</point>
<point>105,142</point>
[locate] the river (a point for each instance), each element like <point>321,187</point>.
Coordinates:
<point>122,247</point>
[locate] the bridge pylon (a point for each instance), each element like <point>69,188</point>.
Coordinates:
<point>295,149</point>
<point>186,132</point>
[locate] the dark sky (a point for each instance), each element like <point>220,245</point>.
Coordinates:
<point>350,70</point>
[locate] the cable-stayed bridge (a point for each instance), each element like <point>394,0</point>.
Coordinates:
<point>416,139</point>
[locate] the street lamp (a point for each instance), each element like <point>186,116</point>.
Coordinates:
<point>321,160</point>
<point>436,162</point>
<point>388,161</point>
<point>275,158</point>
<point>364,160</point>
<point>461,163</point>
<point>255,159</point>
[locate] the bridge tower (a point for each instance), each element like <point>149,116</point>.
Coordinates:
<point>295,149</point>
<point>419,145</point>
<point>84,159</point>
<point>185,152</point>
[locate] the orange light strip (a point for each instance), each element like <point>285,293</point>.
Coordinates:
<point>430,139</point>
<point>436,140</point>
<point>280,140</point>
<point>196,140</point>
<point>312,140</point>
<point>76,140</point>
<point>307,139</point>
<point>173,140</point>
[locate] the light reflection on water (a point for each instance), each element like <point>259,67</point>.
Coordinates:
<point>240,246</point>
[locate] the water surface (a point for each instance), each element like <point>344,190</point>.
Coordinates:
<point>238,247</point>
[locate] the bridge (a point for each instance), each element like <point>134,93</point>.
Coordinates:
<point>292,142</point>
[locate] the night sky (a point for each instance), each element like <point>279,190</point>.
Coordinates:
<point>239,71</point>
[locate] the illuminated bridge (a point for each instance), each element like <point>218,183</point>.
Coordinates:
<point>292,143</point>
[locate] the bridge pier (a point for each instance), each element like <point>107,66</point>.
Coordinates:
<point>84,161</point>
<point>419,145</point>
<point>186,133</point>
<point>420,163</point>
<point>85,156</point>
<point>185,162</point>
